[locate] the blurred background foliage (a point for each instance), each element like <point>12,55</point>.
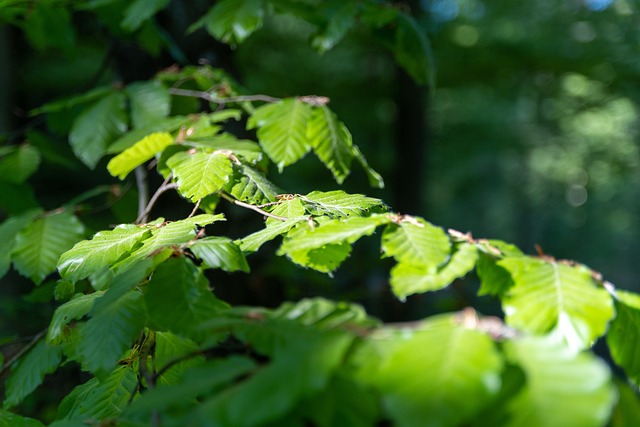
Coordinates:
<point>528,134</point>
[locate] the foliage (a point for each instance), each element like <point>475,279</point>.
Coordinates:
<point>138,314</point>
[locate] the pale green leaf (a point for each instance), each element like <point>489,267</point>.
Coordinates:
<point>407,279</point>
<point>338,204</point>
<point>169,124</point>
<point>139,153</point>
<point>341,16</point>
<point>139,11</point>
<point>459,372</point>
<point>563,388</point>
<point>623,337</point>
<point>232,21</point>
<point>74,309</point>
<point>325,259</point>
<point>100,400</point>
<point>19,164</point>
<point>324,314</point>
<point>247,150</point>
<point>417,242</point>
<point>103,250</point>
<point>252,242</point>
<point>282,130</point>
<point>178,298</point>
<point>287,208</point>
<point>150,102</point>
<point>548,295</point>
<point>108,334</point>
<point>165,235</point>
<point>253,187</point>
<point>98,126</point>
<point>40,244</point>
<point>220,252</point>
<point>331,232</point>
<point>374,178</point>
<point>41,360</point>
<point>331,141</point>
<point>9,419</point>
<point>9,230</point>
<point>200,173</point>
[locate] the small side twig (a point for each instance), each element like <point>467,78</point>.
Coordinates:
<point>195,208</point>
<point>226,100</point>
<point>165,186</point>
<point>252,207</point>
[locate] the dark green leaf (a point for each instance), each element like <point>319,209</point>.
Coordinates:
<point>341,16</point>
<point>412,50</point>
<point>9,230</point>
<point>9,419</point>
<point>220,252</point>
<point>150,101</point>
<point>141,10</point>
<point>375,179</point>
<point>624,334</point>
<point>72,310</point>
<point>232,21</point>
<point>19,164</point>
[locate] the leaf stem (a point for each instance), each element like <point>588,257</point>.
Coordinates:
<point>165,186</point>
<point>252,207</point>
<point>208,97</point>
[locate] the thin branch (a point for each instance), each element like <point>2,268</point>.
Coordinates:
<point>143,192</point>
<point>23,351</point>
<point>252,207</point>
<point>195,208</point>
<point>164,187</point>
<point>208,97</point>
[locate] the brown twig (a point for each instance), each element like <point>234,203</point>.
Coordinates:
<point>208,97</point>
<point>165,186</point>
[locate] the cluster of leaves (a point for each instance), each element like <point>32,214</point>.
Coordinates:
<point>138,313</point>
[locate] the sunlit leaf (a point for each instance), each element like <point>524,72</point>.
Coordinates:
<point>338,204</point>
<point>40,244</point>
<point>150,102</point>
<point>109,333</point>
<point>324,314</point>
<point>287,208</point>
<point>252,242</point>
<point>139,153</point>
<point>253,187</point>
<point>407,279</point>
<point>97,127</point>
<point>624,334</point>
<point>232,21</point>
<point>548,295</point>
<point>331,141</point>
<point>19,164</point>
<point>200,173</point>
<point>139,11</point>
<point>248,150</point>
<point>103,250</point>
<point>563,388</point>
<point>282,130</point>
<point>374,178</point>
<point>417,242</point>
<point>220,252</point>
<point>43,359</point>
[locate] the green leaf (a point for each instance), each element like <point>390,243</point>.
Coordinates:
<point>232,21</point>
<point>459,372</point>
<point>331,141</point>
<point>150,102</point>
<point>200,173</point>
<point>70,102</point>
<point>19,164</point>
<point>169,349</point>
<point>341,18</point>
<point>375,179</point>
<point>9,230</point>
<point>627,410</point>
<point>247,150</point>
<point>549,295</point>
<point>220,252</point>
<point>9,419</point>
<point>338,204</point>
<point>302,245</point>
<point>417,242</point>
<point>252,242</point>
<point>100,400</point>
<point>253,187</point>
<point>103,250</point>
<point>324,314</point>
<point>408,279</point>
<point>166,235</point>
<point>41,360</point>
<point>178,298</point>
<point>109,333</point>
<point>139,153</point>
<point>494,279</point>
<point>563,388</point>
<point>40,244</point>
<point>305,356</point>
<point>288,208</point>
<point>282,130</point>
<point>169,124</point>
<point>623,337</point>
<point>412,50</point>
<point>98,126</point>
<point>74,309</point>
<point>47,25</point>
<point>139,11</point>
